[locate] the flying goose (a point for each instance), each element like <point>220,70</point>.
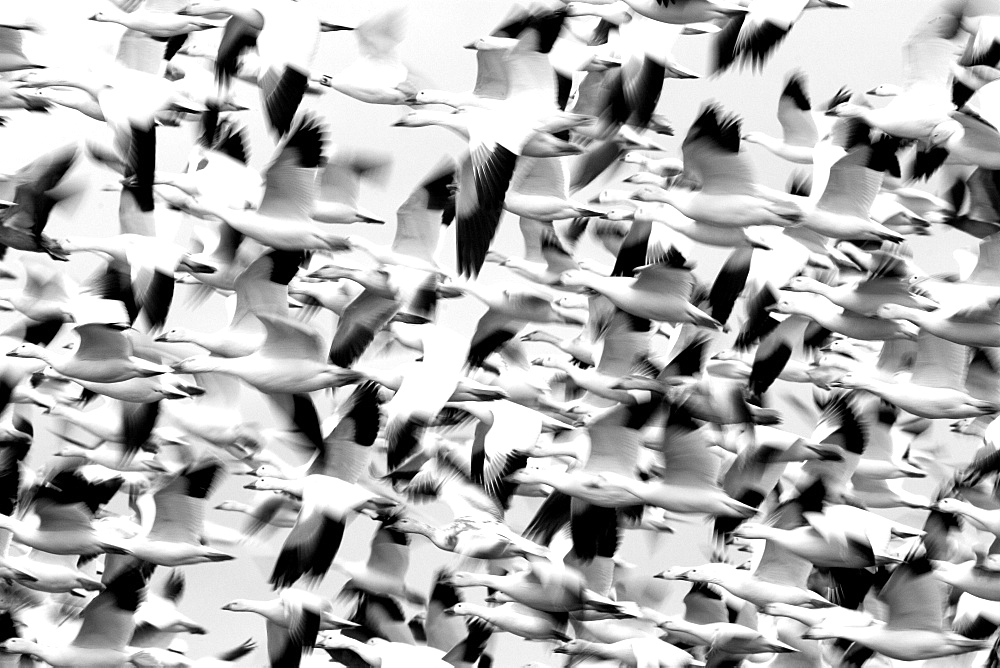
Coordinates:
<point>728,197</point>
<point>107,626</point>
<point>286,37</point>
<point>103,355</point>
<point>914,630</point>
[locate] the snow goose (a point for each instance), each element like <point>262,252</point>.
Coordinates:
<point>384,573</point>
<point>757,590</point>
<point>842,321</point>
<point>259,289</point>
<point>544,586</point>
<point>727,637</point>
<point>914,630</point>
<point>291,361</point>
<point>971,326</point>
<point>157,620</point>
<point>319,528</point>
<point>977,577</point>
<point>752,36</point>
<point>688,474</point>
<point>884,283</point>
<point>382,653</point>
<point>283,219</point>
<point>497,138</point>
<point>517,619</point>
<point>661,291</point>
<point>728,197</point>
<point>107,627</point>
<point>798,125</point>
<point>936,389</point>
<point>176,535</point>
<point>104,355</point>
<point>287,38</point>
<point>843,211</point>
<point>425,390</point>
<point>700,232</point>
<point>634,652</point>
<point>292,621</point>
<point>379,75</point>
<point>340,183</point>
<point>22,225</point>
<point>478,529</point>
<point>683,12</point>
<point>924,102</point>
<point>155,23</point>
<point>538,190</point>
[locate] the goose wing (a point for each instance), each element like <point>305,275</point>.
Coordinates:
<point>340,180</point>
<point>916,598</point>
<point>852,185</point>
<point>483,180</point>
<point>711,151</point>
<point>927,60</point>
<point>940,363</point>
<point>12,56</point>
<point>290,339</point>
<point>390,552</point>
<point>795,113</point>
<point>420,218</point>
<point>491,74</point>
<point>290,179</point>
<point>987,269</point>
<point>540,176</point>
<point>101,342</point>
<point>263,286</point>
<point>108,620</point>
<point>309,548</point>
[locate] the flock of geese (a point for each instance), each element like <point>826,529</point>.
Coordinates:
<point>785,405</point>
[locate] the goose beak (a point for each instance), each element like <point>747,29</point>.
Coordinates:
<point>450,611</point>
<point>220,556</point>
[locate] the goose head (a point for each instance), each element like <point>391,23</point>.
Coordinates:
<point>754,137</point>
<point>526,476</point>
<point>820,633</point>
<point>408,525</point>
<point>416,119</point>
<point>804,284</point>
<point>100,17</point>
<point>786,306</point>
<point>200,364</point>
<point>647,193</point>
<point>18,646</point>
<point>240,605</point>
<point>27,350</point>
<point>463,579</point>
<point>268,485</point>
<point>458,609</point>
<point>73,451</point>
<point>885,90</point>
<point>175,335</point>
<point>575,277</point>
<point>850,381</point>
<point>949,505</point>
<point>946,131</point>
<point>673,573</point>
<point>203,8</point>
<point>232,506</point>
<point>576,647</point>
<point>430,96</point>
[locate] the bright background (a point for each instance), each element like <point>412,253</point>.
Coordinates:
<point>859,48</point>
